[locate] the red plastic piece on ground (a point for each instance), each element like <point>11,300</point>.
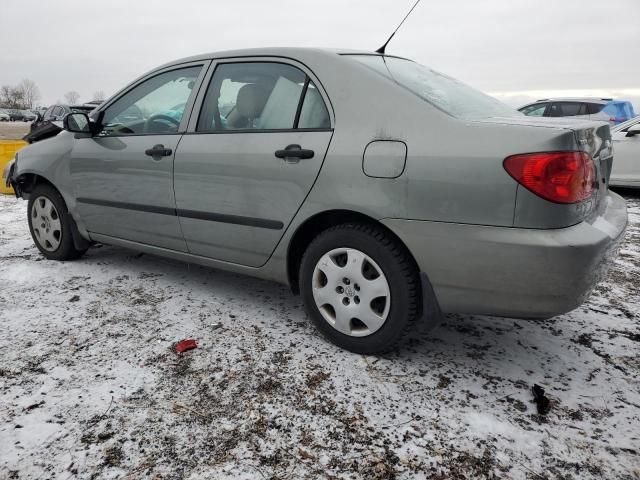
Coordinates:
<point>184,345</point>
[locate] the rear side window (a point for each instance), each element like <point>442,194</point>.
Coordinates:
<point>567,109</point>
<point>593,108</point>
<point>261,96</point>
<point>313,113</point>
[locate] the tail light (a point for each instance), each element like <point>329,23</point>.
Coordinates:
<point>561,177</point>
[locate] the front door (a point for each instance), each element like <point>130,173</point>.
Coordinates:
<point>123,177</point>
<point>626,158</point>
<point>240,177</point>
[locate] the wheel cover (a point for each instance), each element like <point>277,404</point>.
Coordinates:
<point>46,225</point>
<point>351,292</point>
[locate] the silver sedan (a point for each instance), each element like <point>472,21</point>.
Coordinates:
<point>626,142</point>
<point>382,191</point>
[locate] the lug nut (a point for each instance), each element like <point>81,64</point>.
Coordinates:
<point>357,287</point>
<point>346,281</point>
<point>345,301</point>
<point>339,289</point>
<point>356,299</point>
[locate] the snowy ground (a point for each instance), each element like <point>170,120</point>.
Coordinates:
<point>90,387</point>
<point>13,130</point>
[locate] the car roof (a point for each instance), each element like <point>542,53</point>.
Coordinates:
<point>272,52</point>
<point>575,99</point>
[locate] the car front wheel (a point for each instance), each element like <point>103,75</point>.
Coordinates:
<point>360,287</point>
<point>50,225</point>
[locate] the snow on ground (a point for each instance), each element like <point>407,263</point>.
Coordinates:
<point>90,387</point>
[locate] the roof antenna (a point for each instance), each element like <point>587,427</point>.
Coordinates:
<point>381,49</point>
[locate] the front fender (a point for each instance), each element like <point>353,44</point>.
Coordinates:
<point>48,160</point>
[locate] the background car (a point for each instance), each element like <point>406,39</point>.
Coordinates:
<point>49,124</point>
<point>29,116</point>
<point>16,115</point>
<point>605,109</point>
<point>94,103</point>
<point>626,145</point>
<point>4,116</point>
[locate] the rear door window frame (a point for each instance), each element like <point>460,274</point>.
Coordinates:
<point>204,86</point>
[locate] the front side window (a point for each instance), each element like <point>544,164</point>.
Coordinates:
<point>536,110</point>
<point>261,96</point>
<point>156,106</point>
<point>445,93</point>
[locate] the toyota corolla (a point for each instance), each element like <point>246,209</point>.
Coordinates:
<point>380,190</point>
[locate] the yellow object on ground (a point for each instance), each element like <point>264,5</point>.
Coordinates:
<point>8,149</point>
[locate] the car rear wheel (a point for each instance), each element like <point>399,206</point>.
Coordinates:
<point>360,287</point>
<point>50,225</point>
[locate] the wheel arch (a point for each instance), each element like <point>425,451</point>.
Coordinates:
<point>27,181</point>
<point>314,225</point>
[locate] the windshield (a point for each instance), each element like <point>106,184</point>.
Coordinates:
<point>445,93</point>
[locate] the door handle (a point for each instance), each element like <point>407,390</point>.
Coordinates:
<point>293,153</point>
<point>158,151</point>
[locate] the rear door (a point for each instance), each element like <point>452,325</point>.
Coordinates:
<point>254,147</point>
<point>123,177</point>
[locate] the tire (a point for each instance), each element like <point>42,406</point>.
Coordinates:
<point>50,225</point>
<point>354,262</point>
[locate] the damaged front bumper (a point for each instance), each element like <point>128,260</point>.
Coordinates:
<point>7,175</point>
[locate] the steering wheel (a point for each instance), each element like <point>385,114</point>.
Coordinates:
<point>160,116</point>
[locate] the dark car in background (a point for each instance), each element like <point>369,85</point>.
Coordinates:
<point>29,116</point>
<point>605,109</point>
<point>16,115</point>
<point>50,124</point>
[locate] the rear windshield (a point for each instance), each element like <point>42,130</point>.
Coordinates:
<point>445,93</point>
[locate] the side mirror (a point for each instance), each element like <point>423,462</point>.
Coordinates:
<point>633,130</point>
<point>79,124</point>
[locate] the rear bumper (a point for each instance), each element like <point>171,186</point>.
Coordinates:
<point>515,272</point>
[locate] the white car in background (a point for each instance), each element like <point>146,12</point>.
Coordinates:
<point>626,145</point>
<point>4,116</point>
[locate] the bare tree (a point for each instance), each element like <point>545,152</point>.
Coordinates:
<point>30,92</point>
<point>98,95</point>
<point>72,97</point>
<point>5,96</point>
<point>11,97</point>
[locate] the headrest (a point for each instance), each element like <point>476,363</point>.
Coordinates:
<point>251,100</point>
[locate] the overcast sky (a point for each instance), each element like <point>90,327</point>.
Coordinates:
<point>514,49</point>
